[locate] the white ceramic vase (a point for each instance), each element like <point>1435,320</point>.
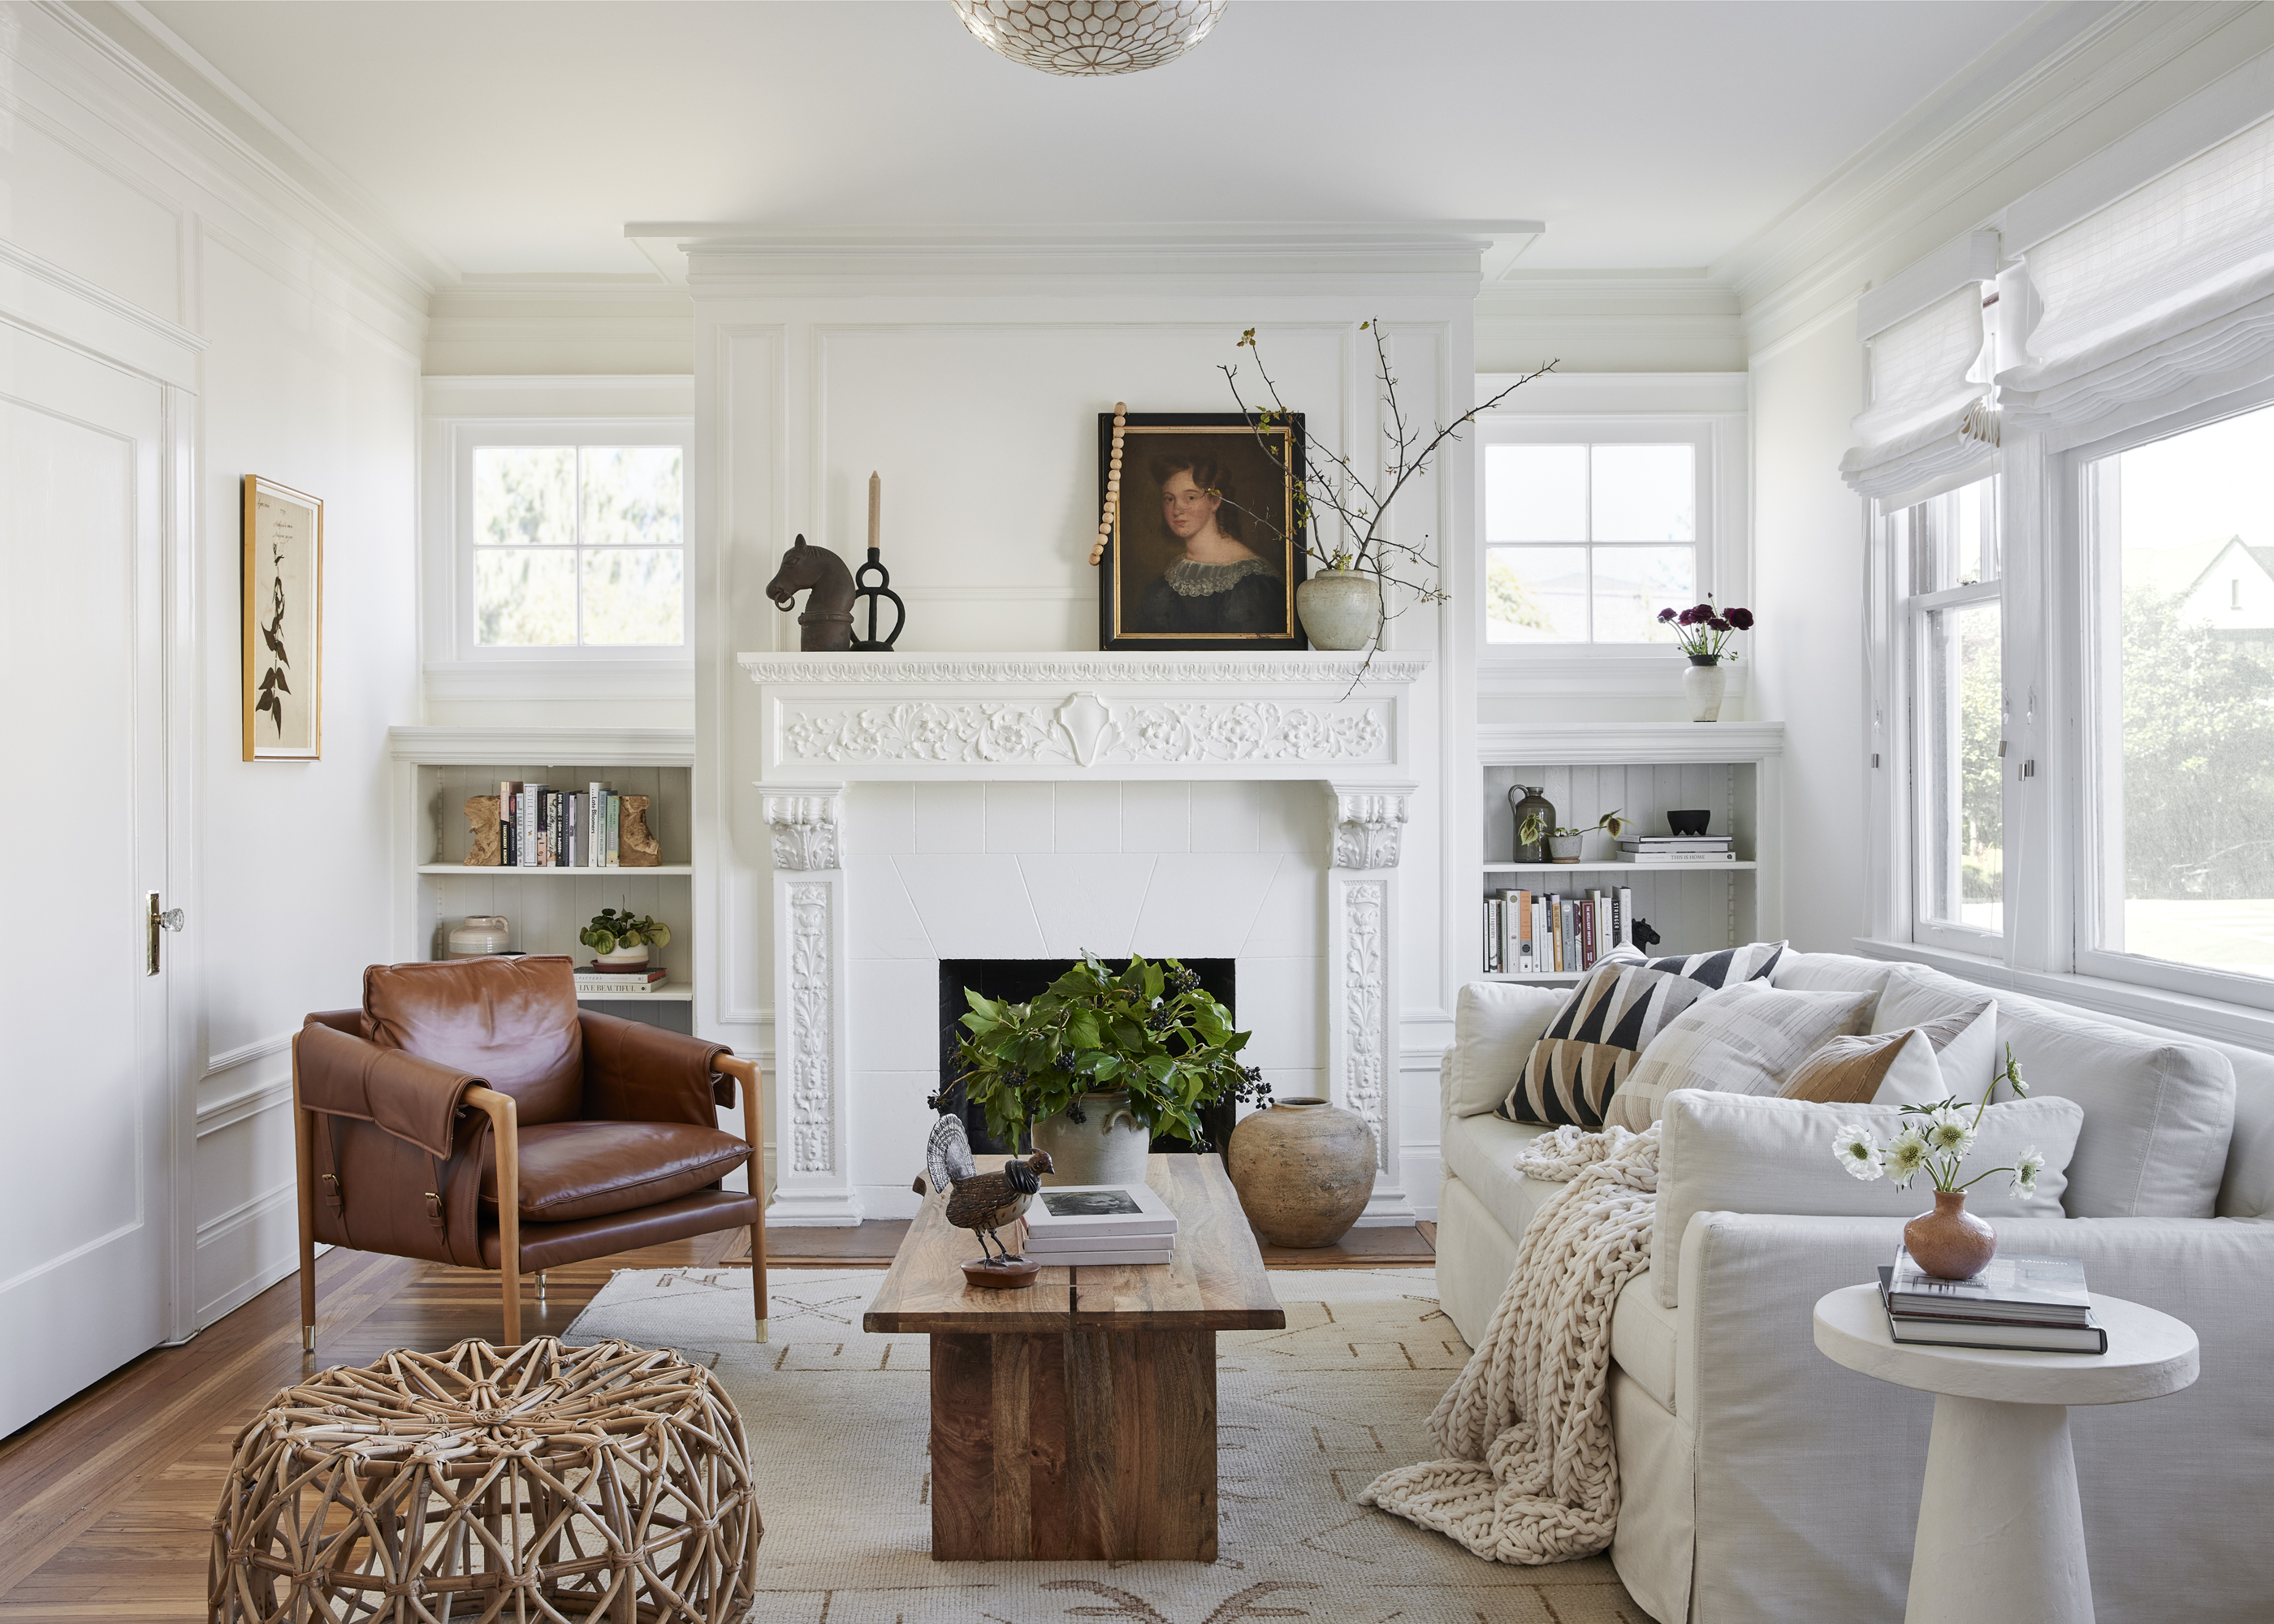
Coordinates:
<point>1339,608</point>
<point>1705,682</point>
<point>1108,1146</point>
<point>625,959</point>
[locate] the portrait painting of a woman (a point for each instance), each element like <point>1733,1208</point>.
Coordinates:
<point>1202,554</point>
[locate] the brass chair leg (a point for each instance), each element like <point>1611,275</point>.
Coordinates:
<point>540,1288</point>
<point>303,1158</point>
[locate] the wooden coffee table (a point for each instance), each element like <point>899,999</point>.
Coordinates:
<point>1075,1419</point>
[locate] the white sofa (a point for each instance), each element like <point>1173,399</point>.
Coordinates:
<point>1761,1482</point>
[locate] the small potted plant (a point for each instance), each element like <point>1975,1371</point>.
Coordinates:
<point>1948,1242</point>
<point>1102,1062</point>
<point>1565,845</point>
<point>1703,633</point>
<point>621,939</point>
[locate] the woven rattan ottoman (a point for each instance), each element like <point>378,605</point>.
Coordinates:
<point>540,1482</point>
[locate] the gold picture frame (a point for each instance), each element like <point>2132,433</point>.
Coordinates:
<point>1153,591</point>
<point>280,588</point>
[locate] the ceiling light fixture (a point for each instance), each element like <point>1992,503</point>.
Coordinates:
<point>1083,38</point>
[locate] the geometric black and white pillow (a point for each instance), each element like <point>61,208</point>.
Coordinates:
<point>1723,968</point>
<point>1596,1039</point>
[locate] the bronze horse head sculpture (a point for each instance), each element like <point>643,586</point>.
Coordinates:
<point>826,626</point>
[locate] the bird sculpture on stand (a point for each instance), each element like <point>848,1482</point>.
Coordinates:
<point>983,1202</point>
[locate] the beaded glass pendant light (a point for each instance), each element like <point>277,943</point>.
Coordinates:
<point>1087,37</point>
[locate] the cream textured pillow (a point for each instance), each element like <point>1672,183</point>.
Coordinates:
<point>1745,1039</point>
<point>1741,1153</point>
<point>1892,1068</point>
<point>1495,1026</point>
<point>1959,1020</point>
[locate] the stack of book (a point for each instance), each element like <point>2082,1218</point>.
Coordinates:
<point>593,977</point>
<point>1678,849</point>
<point>539,827</point>
<point>2034,1304</point>
<point>1527,933</point>
<point>1073,1225</point>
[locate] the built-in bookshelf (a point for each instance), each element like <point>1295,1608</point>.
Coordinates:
<point>1644,770</point>
<point>438,769</point>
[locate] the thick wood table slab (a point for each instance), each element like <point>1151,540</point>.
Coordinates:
<point>1075,1419</point>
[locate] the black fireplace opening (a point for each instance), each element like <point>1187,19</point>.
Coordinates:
<point>1020,980</point>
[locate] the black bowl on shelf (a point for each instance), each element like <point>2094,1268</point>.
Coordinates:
<point>1688,823</point>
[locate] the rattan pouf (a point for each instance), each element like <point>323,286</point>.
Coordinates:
<point>540,1482</point>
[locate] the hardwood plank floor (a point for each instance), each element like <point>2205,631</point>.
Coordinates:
<point>107,1501</point>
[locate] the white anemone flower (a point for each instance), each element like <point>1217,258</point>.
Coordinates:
<point>1949,1132</point>
<point>1906,1156</point>
<point>2026,1170</point>
<point>1859,1150</point>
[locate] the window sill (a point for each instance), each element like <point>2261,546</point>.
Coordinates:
<point>2239,1024</point>
<point>555,678</point>
<point>1597,671</point>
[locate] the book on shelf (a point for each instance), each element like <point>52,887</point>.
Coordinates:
<point>596,971</point>
<point>1051,1257</point>
<point>1676,843</point>
<point>2015,1336</point>
<point>2013,1287</point>
<point>1528,933</point>
<point>1133,1214</point>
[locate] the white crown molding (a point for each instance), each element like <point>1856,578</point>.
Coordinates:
<point>1581,395</point>
<point>1530,744</point>
<point>548,747</point>
<point>1989,135</point>
<point>129,40</point>
<point>620,679</point>
<point>568,397</point>
<point>1328,674</point>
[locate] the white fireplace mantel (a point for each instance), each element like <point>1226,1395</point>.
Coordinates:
<point>1108,716</point>
<point>828,720</point>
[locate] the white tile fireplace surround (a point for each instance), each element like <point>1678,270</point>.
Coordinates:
<point>925,808</point>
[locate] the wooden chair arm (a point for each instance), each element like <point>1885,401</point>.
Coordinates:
<point>506,1127</point>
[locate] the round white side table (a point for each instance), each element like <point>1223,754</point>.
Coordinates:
<point>2000,1533</point>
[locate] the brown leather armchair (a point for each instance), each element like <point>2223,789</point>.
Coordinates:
<point>471,1113</point>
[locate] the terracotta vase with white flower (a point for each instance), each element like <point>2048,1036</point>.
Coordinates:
<point>1948,1242</point>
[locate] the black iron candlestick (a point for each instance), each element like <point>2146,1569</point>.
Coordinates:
<point>880,588</point>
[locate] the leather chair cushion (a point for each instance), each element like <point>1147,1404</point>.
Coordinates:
<point>593,1170</point>
<point>511,1022</point>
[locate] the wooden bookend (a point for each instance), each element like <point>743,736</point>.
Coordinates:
<point>482,845</point>
<point>636,843</point>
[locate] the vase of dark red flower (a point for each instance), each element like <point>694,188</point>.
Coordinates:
<point>1703,633</point>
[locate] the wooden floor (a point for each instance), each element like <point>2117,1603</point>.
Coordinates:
<point>107,1502</point>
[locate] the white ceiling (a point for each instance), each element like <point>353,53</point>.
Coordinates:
<point>519,138</point>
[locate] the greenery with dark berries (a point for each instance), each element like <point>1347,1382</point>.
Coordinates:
<point>1148,1029</point>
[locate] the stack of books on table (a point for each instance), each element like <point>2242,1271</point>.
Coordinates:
<point>1071,1225</point>
<point>592,979</point>
<point>1677,848</point>
<point>2031,1305</point>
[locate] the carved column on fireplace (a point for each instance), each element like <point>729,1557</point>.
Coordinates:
<point>812,1053</point>
<point>1369,823</point>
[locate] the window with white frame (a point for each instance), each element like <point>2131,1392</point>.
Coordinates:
<point>571,539</point>
<point>1591,528</point>
<point>1955,633</point>
<point>2178,526</point>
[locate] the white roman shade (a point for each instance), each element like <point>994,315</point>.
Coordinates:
<point>2156,297</point>
<point>1930,428</point>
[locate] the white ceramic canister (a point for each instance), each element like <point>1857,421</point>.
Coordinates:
<point>481,934</point>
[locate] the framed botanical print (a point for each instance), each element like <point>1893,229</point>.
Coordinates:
<point>1205,547</point>
<point>283,582</point>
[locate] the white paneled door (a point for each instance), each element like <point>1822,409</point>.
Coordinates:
<point>86,1207</point>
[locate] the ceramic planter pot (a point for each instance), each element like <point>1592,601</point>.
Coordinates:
<point>1304,1170</point>
<point>1339,608</point>
<point>1950,1243</point>
<point>625,959</point>
<point>1564,848</point>
<point>1108,1146</point>
<point>1703,681</point>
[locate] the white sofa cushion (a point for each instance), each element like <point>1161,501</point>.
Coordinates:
<point>1495,1026</point>
<point>1643,1338</point>
<point>1480,1150</point>
<point>1745,1039</point>
<point>1741,1153</point>
<point>1831,973</point>
<point>1961,1021</point>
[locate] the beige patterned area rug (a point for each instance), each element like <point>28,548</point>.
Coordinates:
<point>838,1421</point>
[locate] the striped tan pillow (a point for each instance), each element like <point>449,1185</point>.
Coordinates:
<point>1895,1068</point>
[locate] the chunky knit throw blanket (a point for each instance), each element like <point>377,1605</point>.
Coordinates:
<point>1529,1475</point>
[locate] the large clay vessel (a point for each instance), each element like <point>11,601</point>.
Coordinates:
<point>1108,1146</point>
<point>1304,1170</point>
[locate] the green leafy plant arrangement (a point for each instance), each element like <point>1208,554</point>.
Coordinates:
<point>610,930</point>
<point>1534,828</point>
<point>1148,1029</point>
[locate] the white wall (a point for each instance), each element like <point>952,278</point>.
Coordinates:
<point>1808,595</point>
<point>308,376</point>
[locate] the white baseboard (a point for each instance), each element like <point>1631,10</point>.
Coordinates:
<point>252,1246</point>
